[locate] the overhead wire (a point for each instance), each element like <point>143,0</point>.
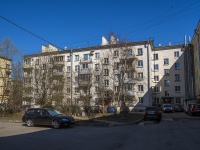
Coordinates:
<point>162,18</point>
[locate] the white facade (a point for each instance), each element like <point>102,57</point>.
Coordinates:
<point>137,68</point>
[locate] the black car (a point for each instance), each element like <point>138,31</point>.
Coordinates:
<point>47,116</point>
<point>178,108</point>
<point>152,112</point>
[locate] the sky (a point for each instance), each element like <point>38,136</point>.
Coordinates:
<point>82,23</point>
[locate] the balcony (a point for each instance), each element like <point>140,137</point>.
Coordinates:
<point>57,74</point>
<point>131,93</point>
<point>58,63</point>
<point>86,60</point>
<point>28,76</point>
<point>28,66</point>
<point>85,71</point>
<point>8,70</point>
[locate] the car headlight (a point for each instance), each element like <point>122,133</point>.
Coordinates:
<point>65,120</point>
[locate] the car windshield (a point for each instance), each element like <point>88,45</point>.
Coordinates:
<point>167,106</point>
<point>151,108</point>
<point>53,112</point>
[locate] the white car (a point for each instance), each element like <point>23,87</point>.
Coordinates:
<point>167,108</point>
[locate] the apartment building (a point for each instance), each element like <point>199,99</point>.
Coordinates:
<point>5,80</point>
<point>168,72</point>
<point>135,73</point>
<point>108,74</point>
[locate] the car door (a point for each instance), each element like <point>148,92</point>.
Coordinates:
<point>46,118</point>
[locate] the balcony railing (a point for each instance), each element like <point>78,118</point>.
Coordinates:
<point>28,66</point>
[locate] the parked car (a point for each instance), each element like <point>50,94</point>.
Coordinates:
<point>111,109</point>
<point>194,110</point>
<point>187,107</point>
<point>47,116</point>
<point>167,108</point>
<point>152,112</point>
<point>124,109</point>
<point>178,108</point>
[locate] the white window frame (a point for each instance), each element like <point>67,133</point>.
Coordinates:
<point>140,63</point>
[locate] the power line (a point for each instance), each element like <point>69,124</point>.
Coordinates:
<point>29,32</point>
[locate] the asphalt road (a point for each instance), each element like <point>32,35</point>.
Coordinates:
<point>175,131</point>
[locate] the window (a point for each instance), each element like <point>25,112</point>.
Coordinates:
<point>140,63</point>
<point>128,52</point>
<point>129,64</point>
<point>58,58</point>
<point>106,60</point>
<point>178,100</point>
<point>166,82</point>
<point>176,54</point>
<point>86,56</point>
<point>116,65</point>
<point>44,66</point>
<point>156,100</point>
<point>106,72</point>
<point>51,60</point>
<point>97,56</point>
<point>156,67</point>
<point>96,66</point>
<point>97,77</point>
<point>96,89</point>
<point>155,56</point>
<point>141,100</point>
<point>117,77</point>
<point>177,66</point>
<point>37,61</point>
<point>156,89</point>
<point>68,79</point>
<point>76,57</point>
<point>140,88</point>
<point>166,61</point>
<point>77,68</point>
<point>76,79</point>
<point>166,93</point>
<point>166,71</point>
<point>106,82</point>
<point>76,90</point>
<point>139,51</point>
<point>140,75</point>
<point>116,53</point>
<point>156,78</point>
<point>60,69</point>
<point>116,88</point>
<point>68,68</point>
<point>85,66</point>
<point>177,88</point>
<point>69,58</point>
<point>177,77</point>
<point>27,61</point>
<point>68,90</point>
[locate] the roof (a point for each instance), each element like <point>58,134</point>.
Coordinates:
<point>91,48</point>
<point>5,58</point>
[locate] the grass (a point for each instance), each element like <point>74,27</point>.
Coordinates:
<point>128,118</point>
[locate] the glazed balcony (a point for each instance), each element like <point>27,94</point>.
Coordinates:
<point>28,66</point>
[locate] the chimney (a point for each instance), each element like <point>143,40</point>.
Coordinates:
<point>104,41</point>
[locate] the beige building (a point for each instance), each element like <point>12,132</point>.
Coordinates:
<point>196,61</point>
<point>5,80</point>
<point>136,73</point>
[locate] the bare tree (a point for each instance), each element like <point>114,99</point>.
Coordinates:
<point>12,87</point>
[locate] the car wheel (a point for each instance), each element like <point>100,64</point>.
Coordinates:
<point>29,122</point>
<point>56,124</point>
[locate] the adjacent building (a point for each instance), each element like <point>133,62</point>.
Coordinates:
<point>5,80</point>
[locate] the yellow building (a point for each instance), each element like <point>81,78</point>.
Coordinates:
<point>5,80</point>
